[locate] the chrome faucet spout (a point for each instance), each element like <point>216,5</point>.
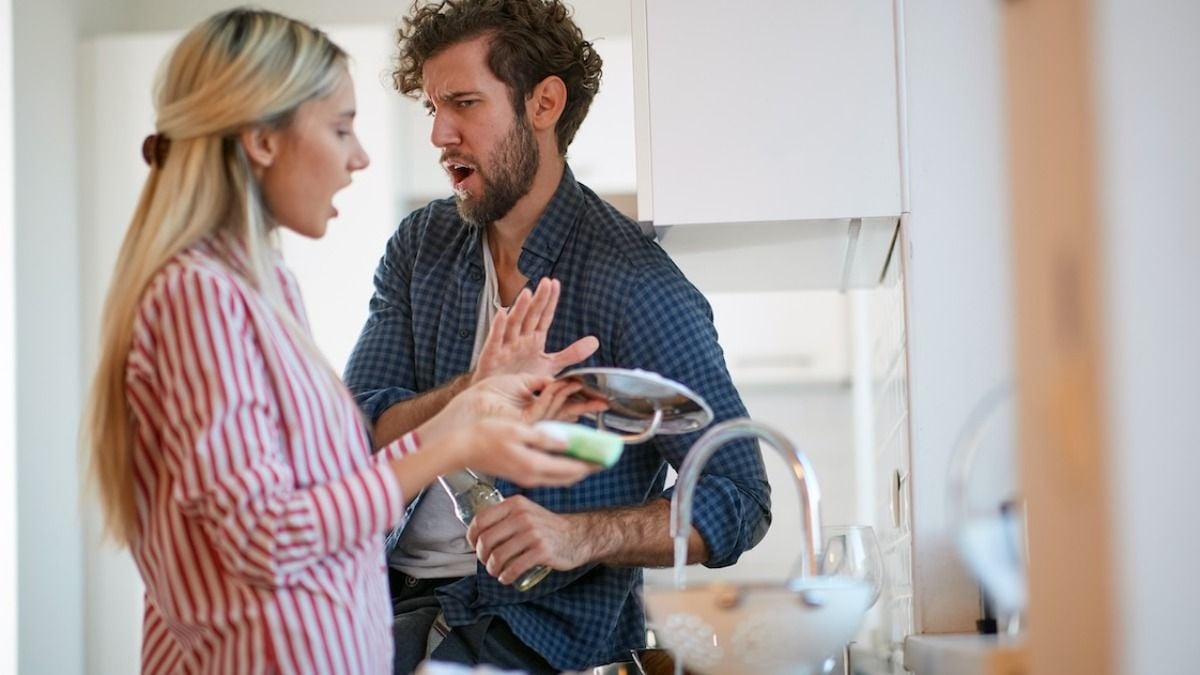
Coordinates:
<point>806,481</point>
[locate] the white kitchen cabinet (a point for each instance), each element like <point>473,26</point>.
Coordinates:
<point>772,110</point>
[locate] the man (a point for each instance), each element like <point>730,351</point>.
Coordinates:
<point>508,83</point>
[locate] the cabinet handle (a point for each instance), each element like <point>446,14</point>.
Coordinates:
<point>897,498</point>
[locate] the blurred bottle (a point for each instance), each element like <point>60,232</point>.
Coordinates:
<point>471,494</point>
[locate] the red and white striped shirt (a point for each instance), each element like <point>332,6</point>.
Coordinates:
<point>260,507</point>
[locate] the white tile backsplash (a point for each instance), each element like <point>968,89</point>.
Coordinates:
<point>885,322</point>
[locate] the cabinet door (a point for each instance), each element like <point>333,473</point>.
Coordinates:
<point>766,110</point>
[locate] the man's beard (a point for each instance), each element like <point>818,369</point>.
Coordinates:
<point>510,176</point>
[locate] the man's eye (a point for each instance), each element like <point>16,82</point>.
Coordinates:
<point>467,103</point>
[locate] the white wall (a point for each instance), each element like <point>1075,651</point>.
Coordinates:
<point>957,270</point>
<point>8,380</point>
<point>1148,104</point>
<point>599,17</point>
<point>50,600</point>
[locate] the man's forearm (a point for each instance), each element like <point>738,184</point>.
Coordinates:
<point>409,414</point>
<point>637,537</point>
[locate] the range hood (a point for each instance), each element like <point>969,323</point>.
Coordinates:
<point>833,254</point>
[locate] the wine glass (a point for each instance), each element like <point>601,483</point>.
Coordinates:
<point>852,551</point>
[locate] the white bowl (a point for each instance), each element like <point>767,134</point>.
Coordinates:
<point>786,628</point>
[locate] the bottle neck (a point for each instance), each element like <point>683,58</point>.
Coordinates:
<point>459,481</point>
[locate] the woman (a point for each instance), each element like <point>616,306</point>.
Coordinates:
<point>228,456</point>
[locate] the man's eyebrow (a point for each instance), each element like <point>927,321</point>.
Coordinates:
<point>450,96</point>
<point>348,113</point>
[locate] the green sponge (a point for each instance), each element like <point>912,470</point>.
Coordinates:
<point>590,445</point>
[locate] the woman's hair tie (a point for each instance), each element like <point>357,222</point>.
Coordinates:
<point>155,149</point>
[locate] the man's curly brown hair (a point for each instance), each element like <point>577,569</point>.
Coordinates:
<point>530,41</point>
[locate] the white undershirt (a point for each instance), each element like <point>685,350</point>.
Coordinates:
<point>434,543</point>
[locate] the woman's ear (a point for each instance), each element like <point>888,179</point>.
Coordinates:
<point>546,103</point>
<point>261,146</point>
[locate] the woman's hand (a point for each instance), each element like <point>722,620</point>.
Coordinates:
<point>526,398</point>
<point>507,448</point>
<point>519,397</point>
<point>516,452</point>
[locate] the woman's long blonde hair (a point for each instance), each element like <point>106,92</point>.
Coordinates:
<point>238,69</point>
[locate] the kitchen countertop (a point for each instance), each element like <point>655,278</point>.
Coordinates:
<point>965,654</point>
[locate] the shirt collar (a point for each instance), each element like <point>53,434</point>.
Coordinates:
<point>545,243</point>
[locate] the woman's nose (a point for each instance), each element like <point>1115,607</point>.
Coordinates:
<point>359,160</point>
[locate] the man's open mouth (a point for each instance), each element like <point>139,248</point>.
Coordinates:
<point>459,172</point>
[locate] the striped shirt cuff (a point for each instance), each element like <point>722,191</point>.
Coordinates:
<point>363,504</point>
<point>405,445</point>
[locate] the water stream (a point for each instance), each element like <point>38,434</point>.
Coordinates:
<point>680,560</point>
<point>681,543</point>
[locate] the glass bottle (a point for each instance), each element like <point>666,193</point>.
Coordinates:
<point>471,494</point>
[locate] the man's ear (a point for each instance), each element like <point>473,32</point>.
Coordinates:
<point>261,146</point>
<point>546,103</point>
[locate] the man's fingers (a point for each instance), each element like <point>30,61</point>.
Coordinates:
<point>520,564</point>
<point>501,543</point>
<point>516,314</point>
<point>492,342</point>
<point>547,315</point>
<point>575,352</point>
<point>541,298</point>
<point>488,542</point>
<point>485,519</point>
<point>513,558</point>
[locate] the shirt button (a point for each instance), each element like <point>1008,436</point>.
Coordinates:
<point>464,333</point>
<point>476,276</point>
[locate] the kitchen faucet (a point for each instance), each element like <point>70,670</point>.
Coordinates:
<point>806,481</point>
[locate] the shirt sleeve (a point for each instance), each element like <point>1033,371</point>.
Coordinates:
<point>668,329</point>
<point>380,371</point>
<point>221,426</point>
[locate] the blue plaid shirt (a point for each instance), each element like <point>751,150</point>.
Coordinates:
<point>626,291</point>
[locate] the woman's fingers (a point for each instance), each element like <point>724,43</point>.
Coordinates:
<point>573,409</point>
<point>550,399</point>
<point>556,471</point>
<point>529,385</point>
<point>530,461</point>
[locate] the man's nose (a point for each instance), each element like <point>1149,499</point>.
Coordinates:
<point>444,132</point>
